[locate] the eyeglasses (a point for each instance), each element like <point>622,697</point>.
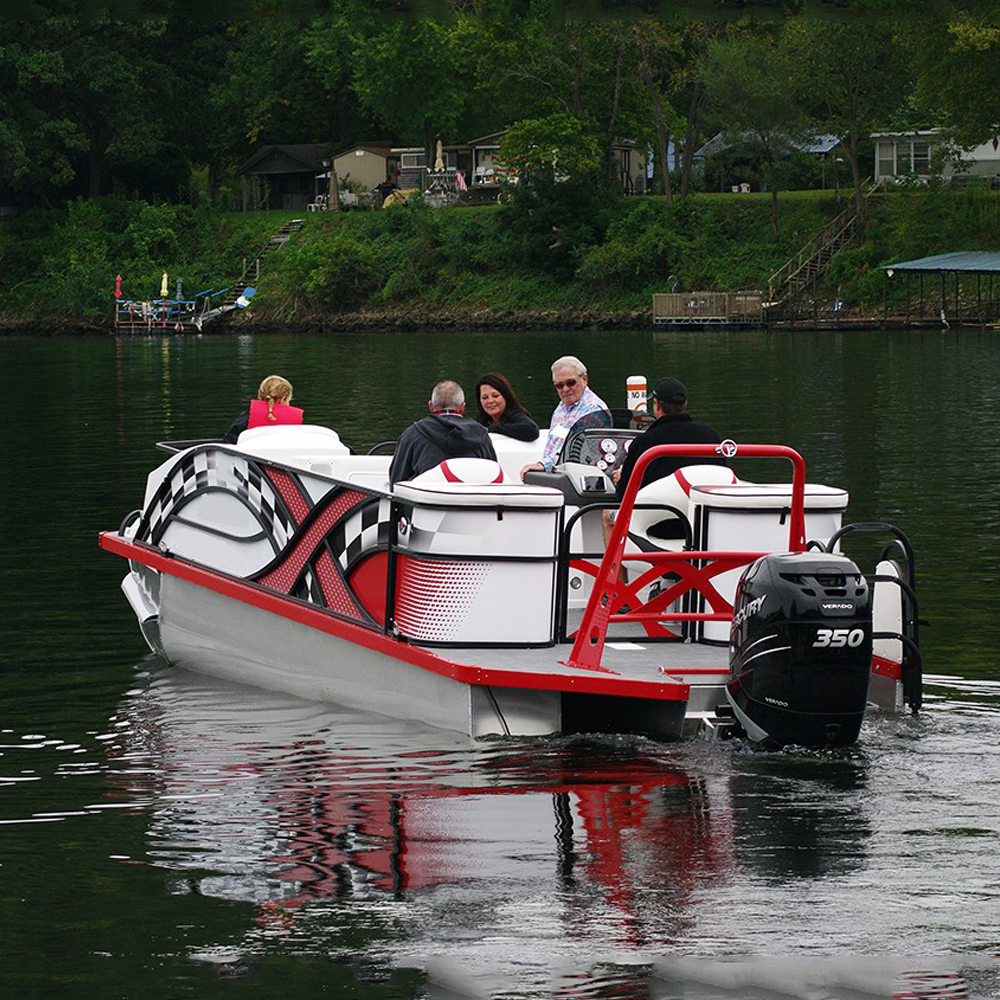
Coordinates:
<point>568,384</point>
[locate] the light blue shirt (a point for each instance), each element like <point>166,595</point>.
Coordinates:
<point>563,419</point>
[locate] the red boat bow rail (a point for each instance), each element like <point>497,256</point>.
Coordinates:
<point>695,569</point>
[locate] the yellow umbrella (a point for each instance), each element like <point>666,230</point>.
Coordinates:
<point>163,286</point>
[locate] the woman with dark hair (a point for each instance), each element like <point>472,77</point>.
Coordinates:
<point>500,411</point>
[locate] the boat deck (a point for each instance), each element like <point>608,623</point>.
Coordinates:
<point>630,658</point>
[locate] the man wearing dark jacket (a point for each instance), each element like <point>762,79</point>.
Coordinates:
<point>444,434</point>
<point>672,426</point>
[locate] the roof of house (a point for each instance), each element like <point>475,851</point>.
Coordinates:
<point>490,139</point>
<point>451,147</point>
<point>971,261</point>
<point>310,154</point>
<point>910,133</point>
<point>811,143</point>
<point>494,139</point>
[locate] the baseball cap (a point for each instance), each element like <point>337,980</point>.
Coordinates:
<point>670,390</point>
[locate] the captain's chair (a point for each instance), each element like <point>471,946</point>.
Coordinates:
<point>668,527</point>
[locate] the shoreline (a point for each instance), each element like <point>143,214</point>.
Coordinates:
<point>405,320</point>
<point>423,319</point>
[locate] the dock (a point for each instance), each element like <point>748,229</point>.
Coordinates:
<point>168,316</point>
<point>708,309</point>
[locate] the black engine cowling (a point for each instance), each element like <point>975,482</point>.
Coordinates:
<point>800,650</point>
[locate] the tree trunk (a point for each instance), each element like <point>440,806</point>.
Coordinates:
<point>333,198</point>
<point>95,158</point>
<point>576,91</point>
<point>859,195</point>
<point>662,136</point>
<point>428,150</point>
<point>691,135</point>
<point>772,186</point>
<point>613,118</point>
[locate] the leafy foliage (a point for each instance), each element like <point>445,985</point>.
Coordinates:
<point>558,147</point>
<point>65,261</point>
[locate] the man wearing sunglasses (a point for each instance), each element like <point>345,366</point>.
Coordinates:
<point>577,401</point>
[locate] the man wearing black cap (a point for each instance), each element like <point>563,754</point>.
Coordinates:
<point>672,426</point>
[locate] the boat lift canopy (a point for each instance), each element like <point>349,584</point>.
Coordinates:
<point>959,305</point>
<point>964,261</point>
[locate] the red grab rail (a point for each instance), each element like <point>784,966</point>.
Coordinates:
<point>588,648</point>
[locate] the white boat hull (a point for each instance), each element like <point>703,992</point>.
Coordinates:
<point>224,637</point>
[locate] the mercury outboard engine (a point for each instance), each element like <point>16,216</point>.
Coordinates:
<point>800,650</point>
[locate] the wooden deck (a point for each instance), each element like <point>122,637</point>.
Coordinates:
<point>708,309</point>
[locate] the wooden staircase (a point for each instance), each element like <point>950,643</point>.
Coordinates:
<point>251,271</point>
<point>811,262</point>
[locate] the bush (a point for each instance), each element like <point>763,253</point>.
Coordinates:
<point>551,247</point>
<point>338,272</point>
<point>549,224</point>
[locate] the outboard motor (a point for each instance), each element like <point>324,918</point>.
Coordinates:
<point>800,650</point>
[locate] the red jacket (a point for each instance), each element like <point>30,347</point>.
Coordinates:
<point>282,414</point>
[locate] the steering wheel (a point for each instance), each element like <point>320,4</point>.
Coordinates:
<point>603,447</point>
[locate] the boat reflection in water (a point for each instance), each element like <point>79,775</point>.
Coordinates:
<point>335,822</point>
<point>571,866</point>
<point>798,816</point>
<point>387,845</point>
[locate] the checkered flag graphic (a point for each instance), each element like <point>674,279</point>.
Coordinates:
<point>363,530</point>
<point>200,471</point>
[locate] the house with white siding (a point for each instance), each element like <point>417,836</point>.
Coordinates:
<point>928,153</point>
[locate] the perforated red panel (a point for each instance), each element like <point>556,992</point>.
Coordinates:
<point>289,492</point>
<point>338,597</point>
<point>283,576</point>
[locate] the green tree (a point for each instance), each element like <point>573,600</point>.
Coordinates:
<point>532,65</point>
<point>561,202</point>
<point>660,68</point>
<point>37,143</point>
<point>93,103</point>
<point>747,81</point>
<point>957,65</point>
<point>852,76</point>
<point>411,75</point>
<point>559,147</point>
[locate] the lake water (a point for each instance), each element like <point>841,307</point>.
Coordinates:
<point>165,835</point>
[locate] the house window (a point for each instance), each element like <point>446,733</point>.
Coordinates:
<point>412,161</point>
<point>913,157</point>
<point>886,159</point>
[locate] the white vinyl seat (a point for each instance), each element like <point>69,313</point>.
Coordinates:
<point>291,444</point>
<point>469,471</point>
<point>663,529</point>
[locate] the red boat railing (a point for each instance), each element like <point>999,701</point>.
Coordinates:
<point>695,568</point>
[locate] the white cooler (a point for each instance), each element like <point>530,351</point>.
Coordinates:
<point>477,564</point>
<point>754,517</point>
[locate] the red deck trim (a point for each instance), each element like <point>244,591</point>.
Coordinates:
<point>587,682</point>
<point>886,667</point>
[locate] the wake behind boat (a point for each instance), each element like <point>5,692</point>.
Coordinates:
<point>468,600</point>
